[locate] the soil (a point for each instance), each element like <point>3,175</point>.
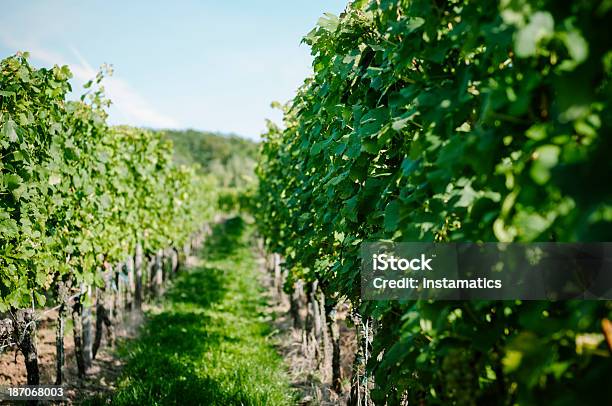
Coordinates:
<point>101,376</point>
<point>311,379</point>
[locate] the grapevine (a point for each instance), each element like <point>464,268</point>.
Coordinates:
<point>450,121</point>
<point>79,196</point>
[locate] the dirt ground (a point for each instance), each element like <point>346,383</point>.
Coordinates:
<point>314,386</point>
<point>101,376</point>
<point>304,370</point>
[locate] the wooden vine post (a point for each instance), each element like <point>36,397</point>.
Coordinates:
<point>24,334</point>
<point>103,315</point>
<point>175,259</point>
<point>87,327</point>
<point>158,273</point>
<point>138,265</point>
<point>77,333</point>
<point>150,272</point>
<point>315,317</point>
<point>360,386</point>
<point>325,338</point>
<point>131,282</point>
<point>116,291</point>
<point>276,264</point>
<point>294,303</point>
<point>334,334</point>
<point>62,297</point>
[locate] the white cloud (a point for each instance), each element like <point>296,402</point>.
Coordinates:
<point>132,106</point>
<point>129,107</point>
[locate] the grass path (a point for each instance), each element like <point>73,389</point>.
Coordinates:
<point>207,343</point>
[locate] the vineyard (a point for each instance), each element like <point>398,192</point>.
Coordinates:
<point>423,121</point>
<point>90,214</point>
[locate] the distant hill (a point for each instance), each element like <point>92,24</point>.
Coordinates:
<point>231,159</point>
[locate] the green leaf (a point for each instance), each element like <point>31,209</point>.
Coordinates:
<point>328,22</point>
<point>9,130</point>
<point>412,23</point>
<point>370,146</point>
<point>577,48</point>
<point>541,26</point>
<point>392,216</point>
<point>536,132</point>
<point>545,157</point>
<point>40,299</point>
<point>408,166</point>
<point>12,181</point>
<point>55,179</point>
<point>398,125</point>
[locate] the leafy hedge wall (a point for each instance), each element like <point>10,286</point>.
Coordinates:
<point>452,121</point>
<point>74,192</point>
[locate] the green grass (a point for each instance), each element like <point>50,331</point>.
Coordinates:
<point>208,342</point>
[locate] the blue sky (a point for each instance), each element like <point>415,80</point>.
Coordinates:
<point>208,65</point>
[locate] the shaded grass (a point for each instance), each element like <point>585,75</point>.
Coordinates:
<point>207,344</point>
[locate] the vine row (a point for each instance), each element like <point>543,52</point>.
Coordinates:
<point>89,213</point>
<point>449,121</point>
